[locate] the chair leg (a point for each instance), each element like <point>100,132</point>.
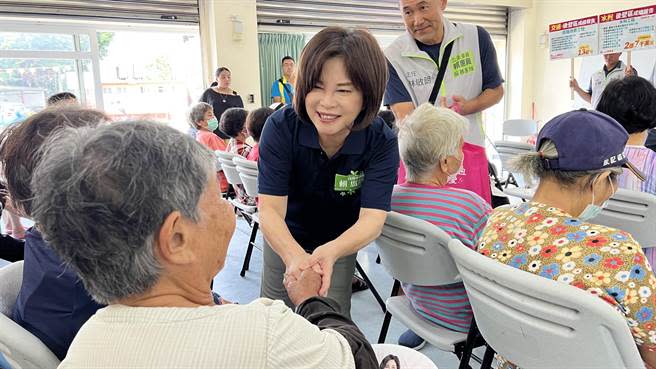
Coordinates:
<point>371,285</point>
<point>249,250</point>
<point>388,316</point>
<point>469,345</point>
<point>384,328</point>
<point>487,358</point>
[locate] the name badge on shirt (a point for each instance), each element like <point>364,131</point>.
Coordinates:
<point>347,184</point>
<point>462,64</point>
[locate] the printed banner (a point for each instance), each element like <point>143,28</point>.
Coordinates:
<point>574,38</point>
<point>627,30</point>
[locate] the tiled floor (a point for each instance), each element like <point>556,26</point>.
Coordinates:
<point>366,313</point>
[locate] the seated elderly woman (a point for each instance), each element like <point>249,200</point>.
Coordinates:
<point>52,304</point>
<point>149,245</point>
<point>631,101</point>
<point>430,144</point>
<point>578,158</point>
<point>203,121</point>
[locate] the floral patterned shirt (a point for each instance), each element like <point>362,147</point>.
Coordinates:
<point>604,261</point>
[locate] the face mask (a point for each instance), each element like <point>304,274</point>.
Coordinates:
<point>453,178</point>
<point>592,210</point>
<point>212,124</point>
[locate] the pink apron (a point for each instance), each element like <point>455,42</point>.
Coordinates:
<point>475,178</point>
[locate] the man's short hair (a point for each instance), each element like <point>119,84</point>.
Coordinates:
<point>59,97</point>
<point>286,58</point>
<point>632,102</point>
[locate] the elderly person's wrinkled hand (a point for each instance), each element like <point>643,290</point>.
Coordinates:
<point>305,286</point>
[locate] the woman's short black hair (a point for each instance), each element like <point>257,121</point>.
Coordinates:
<point>365,65</point>
<point>255,121</point>
<point>632,102</point>
<point>232,121</point>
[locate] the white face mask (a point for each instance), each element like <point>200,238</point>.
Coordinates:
<point>592,211</point>
<point>453,178</point>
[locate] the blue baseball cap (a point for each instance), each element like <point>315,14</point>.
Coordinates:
<point>586,140</point>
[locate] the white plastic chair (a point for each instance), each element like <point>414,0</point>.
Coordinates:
<point>20,348</point>
<point>229,167</point>
<point>247,171</point>
<point>535,322</point>
<point>633,212</point>
<point>627,210</point>
<point>508,149</point>
<point>415,251</point>
<point>520,127</point>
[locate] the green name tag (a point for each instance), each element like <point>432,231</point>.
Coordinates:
<point>349,183</point>
<point>462,64</point>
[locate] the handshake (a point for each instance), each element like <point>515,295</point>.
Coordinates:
<point>309,275</point>
<point>307,285</point>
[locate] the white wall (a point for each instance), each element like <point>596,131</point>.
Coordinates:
<point>533,78</point>
<point>221,48</point>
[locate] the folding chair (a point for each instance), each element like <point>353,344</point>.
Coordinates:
<point>508,149</point>
<point>633,212</point>
<point>247,170</point>
<point>415,251</point>
<point>535,322</point>
<point>18,347</point>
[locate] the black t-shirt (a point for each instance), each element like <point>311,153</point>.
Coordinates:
<point>220,103</point>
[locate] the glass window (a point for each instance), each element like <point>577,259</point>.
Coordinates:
<point>36,41</point>
<point>25,84</point>
<point>154,75</point>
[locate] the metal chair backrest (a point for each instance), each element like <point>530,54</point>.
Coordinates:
<point>415,251</point>
<point>520,313</point>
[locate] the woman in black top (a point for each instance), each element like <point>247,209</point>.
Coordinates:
<point>222,97</point>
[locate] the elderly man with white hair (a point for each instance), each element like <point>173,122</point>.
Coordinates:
<point>135,209</point>
<point>430,143</point>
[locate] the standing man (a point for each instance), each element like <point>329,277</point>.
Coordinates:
<point>456,62</point>
<point>613,68</point>
<point>282,89</point>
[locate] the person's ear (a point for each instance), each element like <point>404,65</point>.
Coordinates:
<point>173,240</point>
<point>444,165</point>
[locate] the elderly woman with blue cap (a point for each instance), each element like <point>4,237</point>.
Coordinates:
<point>578,158</point>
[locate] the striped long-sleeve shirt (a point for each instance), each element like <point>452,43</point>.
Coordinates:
<point>463,215</point>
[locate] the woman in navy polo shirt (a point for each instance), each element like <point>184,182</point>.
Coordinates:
<point>327,166</point>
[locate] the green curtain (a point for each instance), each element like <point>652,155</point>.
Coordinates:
<point>273,47</point>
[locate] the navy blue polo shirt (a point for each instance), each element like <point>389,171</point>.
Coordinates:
<point>52,303</point>
<point>325,194</point>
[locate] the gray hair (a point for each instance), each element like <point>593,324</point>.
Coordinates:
<point>427,136</point>
<point>102,195</point>
<point>197,113</point>
<point>532,164</point>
